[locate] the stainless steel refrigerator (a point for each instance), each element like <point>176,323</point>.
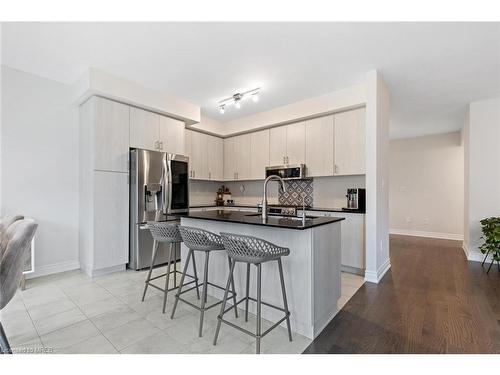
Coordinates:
<point>159,189</point>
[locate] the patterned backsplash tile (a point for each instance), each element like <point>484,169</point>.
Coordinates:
<point>296,191</point>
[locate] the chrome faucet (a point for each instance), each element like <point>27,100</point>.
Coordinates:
<point>264,199</point>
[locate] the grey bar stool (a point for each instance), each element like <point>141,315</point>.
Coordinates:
<point>168,233</point>
<point>197,239</point>
<point>252,250</point>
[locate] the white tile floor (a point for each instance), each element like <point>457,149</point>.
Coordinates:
<point>72,313</point>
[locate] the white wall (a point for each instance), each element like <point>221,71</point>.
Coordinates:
<point>39,163</point>
<point>482,197</point>
<point>426,186</point>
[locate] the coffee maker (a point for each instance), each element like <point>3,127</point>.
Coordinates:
<point>356,199</point>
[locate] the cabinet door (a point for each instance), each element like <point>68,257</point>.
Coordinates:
<point>277,145</point>
<point>199,156</point>
<point>259,154</point>
<point>144,129</point>
<point>242,147</point>
<point>229,159</point>
<point>215,158</point>
<point>111,135</point>
<point>319,147</point>
<point>353,240</point>
<point>110,219</point>
<point>296,143</point>
<point>171,135</point>
<point>349,142</point>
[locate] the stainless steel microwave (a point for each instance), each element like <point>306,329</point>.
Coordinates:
<point>287,172</point>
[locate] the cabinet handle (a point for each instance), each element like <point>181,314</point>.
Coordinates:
<point>335,169</point>
<point>194,173</point>
<point>209,175</point>
<point>284,160</point>
<point>160,145</point>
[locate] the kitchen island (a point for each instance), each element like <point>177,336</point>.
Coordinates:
<point>311,271</point>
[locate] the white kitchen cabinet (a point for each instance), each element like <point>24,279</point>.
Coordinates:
<point>259,154</point>
<point>349,142</point>
<point>277,146</point>
<point>199,156</point>
<point>206,156</point>
<point>295,143</point>
<point>171,135</point>
<point>151,131</point>
<point>111,213</point>
<point>352,239</point>
<point>319,146</point>
<point>103,191</point>
<point>230,159</point>
<point>110,122</point>
<point>243,157</point>
<point>144,129</point>
<point>287,144</point>
<point>215,157</point>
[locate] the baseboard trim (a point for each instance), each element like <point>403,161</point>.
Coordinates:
<point>418,233</point>
<point>474,255</point>
<point>50,269</point>
<point>376,276</point>
<point>107,270</point>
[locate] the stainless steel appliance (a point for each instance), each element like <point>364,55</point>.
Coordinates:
<point>287,172</point>
<point>159,187</point>
<point>356,199</point>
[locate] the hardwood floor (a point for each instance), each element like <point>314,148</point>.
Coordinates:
<point>432,300</point>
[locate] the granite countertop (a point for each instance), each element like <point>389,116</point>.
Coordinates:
<point>246,217</point>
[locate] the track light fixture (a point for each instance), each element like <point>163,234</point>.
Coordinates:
<point>237,98</point>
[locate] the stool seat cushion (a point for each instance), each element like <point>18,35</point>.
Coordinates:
<point>252,249</point>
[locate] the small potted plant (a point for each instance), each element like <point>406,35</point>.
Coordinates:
<point>491,237</point>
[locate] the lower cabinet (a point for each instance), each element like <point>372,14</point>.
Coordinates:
<point>352,240</point>
<point>104,212</point>
<point>111,195</point>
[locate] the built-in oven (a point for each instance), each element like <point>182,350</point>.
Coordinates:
<point>287,172</point>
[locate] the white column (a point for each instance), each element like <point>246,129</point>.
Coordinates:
<point>482,165</point>
<point>377,164</point>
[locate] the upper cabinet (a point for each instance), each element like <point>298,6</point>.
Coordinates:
<point>206,157</point>
<point>171,135</point>
<point>287,144</point>
<point>144,129</point>
<point>237,158</point>
<point>259,154</point>
<point>110,122</point>
<point>349,142</point>
<point>215,156</point>
<point>319,146</point>
<point>151,131</point>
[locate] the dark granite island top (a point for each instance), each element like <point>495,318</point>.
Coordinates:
<point>247,217</point>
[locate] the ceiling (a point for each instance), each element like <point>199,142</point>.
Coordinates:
<point>432,69</point>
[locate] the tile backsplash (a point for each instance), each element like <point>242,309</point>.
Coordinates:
<point>297,191</point>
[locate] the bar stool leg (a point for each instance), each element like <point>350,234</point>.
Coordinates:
<point>285,303</point>
<point>177,295</point>
<point>204,296</point>
<point>259,300</point>
<point>174,259</point>
<point>224,300</point>
<point>167,280</point>
<point>153,258</point>
<point>196,278</point>
<point>4,343</point>
<point>247,292</point>
<point>234,290</point>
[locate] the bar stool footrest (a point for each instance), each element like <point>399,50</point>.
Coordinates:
<point>173,288</point>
